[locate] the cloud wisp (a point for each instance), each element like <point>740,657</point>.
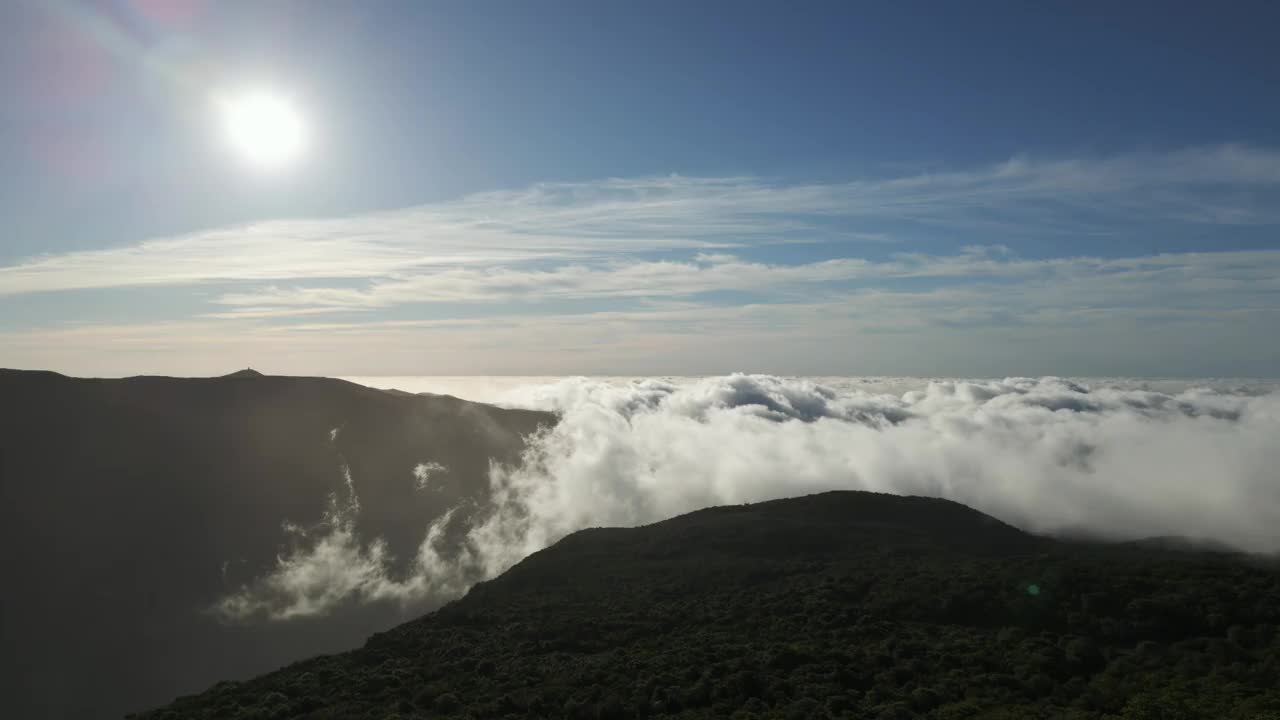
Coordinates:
<point>587,222</point>
<point>1048,260</point>
<point>1049,455</point>
<point>1148,279</point>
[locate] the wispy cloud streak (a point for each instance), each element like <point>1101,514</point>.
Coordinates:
<point>1146,280</point>
<point>595,221</point>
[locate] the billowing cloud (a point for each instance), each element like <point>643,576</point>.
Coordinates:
<point>329,565</point>
<point>1118,459</point>
<point>422,473</point>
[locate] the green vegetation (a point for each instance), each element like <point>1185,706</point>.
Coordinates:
<point>842,605</point>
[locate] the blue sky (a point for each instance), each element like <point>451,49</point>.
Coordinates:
<point>637,188</point>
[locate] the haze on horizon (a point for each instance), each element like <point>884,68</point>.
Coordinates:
<point>452,188</point>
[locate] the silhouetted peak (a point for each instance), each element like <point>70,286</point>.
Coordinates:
<point>246,373</point>
<point>15,374</point>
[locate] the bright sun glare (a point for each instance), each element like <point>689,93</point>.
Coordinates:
<point>263,128</point>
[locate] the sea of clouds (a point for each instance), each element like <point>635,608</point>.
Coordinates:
<point>1112,458</point>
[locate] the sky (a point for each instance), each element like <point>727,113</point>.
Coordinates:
<point>597,188</point>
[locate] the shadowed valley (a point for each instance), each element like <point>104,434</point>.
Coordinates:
<point>130,507</point>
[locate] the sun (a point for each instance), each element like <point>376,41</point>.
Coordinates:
<point>265,129</point>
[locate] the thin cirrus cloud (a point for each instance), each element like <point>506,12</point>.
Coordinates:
<point>687,274</point>
<point>1112,323</point>
<point>1134,279</point>
<point>593,222</point>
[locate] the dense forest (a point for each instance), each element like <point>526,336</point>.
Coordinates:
<point>840,605</point>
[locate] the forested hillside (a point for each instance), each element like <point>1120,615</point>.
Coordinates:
<point>843,605</point>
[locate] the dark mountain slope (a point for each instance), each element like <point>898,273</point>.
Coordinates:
<point>128,507</point>
<point>852,605</point>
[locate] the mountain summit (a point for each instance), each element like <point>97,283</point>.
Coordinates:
<point>246,373</point>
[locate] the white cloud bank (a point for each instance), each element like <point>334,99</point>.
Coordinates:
<point>1049,455</point>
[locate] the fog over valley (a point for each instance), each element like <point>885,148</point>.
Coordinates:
<point>1106,458</point>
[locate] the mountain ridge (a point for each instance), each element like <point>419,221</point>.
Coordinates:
<point>143,501</point>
